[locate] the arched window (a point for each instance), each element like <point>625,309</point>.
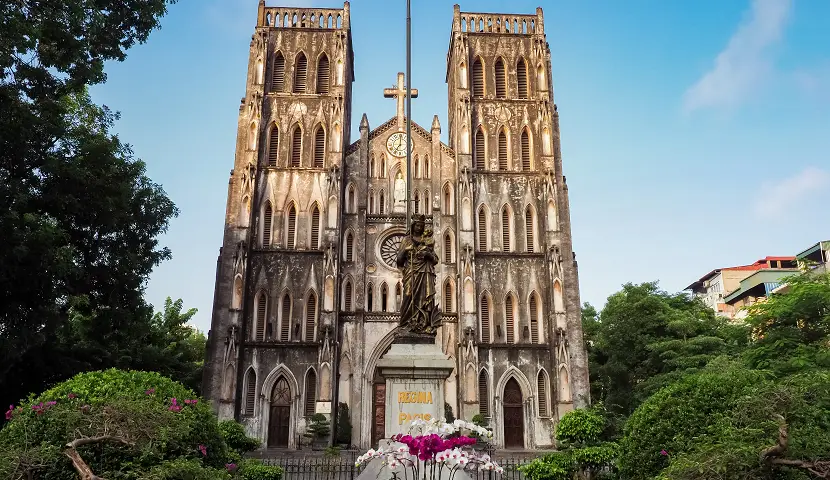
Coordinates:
<point>426,166</point>
<point>448,303</point>
<point>384,298</point>
<point>250,392</point>
<point>261,316</point>
<point>323,74</point>
<point>480,150</point>
<point>447,248</point>
<point>478,78</point>
<point>484,311</point>
<point>267,219</point>
<point>370,297</point>
<point>534,318</point>
<point>530,226</point>
<point>447,199</point>
<point>382,172</point>
<point>273,145</point>
<point>310,317</point>
<point>291,227</point>
<point>372,161</point>
<point>296,146</point>
<point>300,73</point>
<point>526,165</point>
<point>252,136</point>
<point>417,199</point>
<point>398,296</point>
<point>482,229</point>
<point>347,296</point>
<point>483,395</point>
<point>505,229</point>
<point>285,318</point>
<point>381,203</point>
<point>278,74</point>
<point>501,79</point>
<point>503,163</point>
<point>350,200</point>
<point>509,324</point>
<point>427,206</point>
<point>310,392</point>
<point>521,78</point>
<point>319,147</point>
<point>542,386</point>
<point>315,227</point>
<point>416,170</point>
<point>349,253</point>
<point>371,198</point>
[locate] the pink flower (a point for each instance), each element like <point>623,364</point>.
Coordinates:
<point>175,407</point>
<point>50,403</point>
<point>203,449</point>
<point>71,396</point>
<point>191,402</point>
<point>664,453</point>
<point>10,412</point>
<point>150,391</point>
<point>230,467</point>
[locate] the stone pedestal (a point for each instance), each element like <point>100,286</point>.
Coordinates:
<point>415,369</point>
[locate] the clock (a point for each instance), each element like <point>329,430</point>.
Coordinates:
<point>396,144</point>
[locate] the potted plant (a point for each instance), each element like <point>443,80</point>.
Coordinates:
<point>318,430</point>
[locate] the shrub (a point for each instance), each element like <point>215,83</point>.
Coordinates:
<point>344,424</point>
<point>186,469</point>
<point>255,470</point>
<point>236,438</point>
<point>319,427</point>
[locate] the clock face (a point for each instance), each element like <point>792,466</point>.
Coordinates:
<point>396,144</point>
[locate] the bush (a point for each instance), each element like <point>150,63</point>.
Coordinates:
<point>186,469</point>
<point>149,420</point>
<point>236,438</point>
<point>319,427</point>
<point>580,426</point>
<point>344,424</point>
<point>255,470</point>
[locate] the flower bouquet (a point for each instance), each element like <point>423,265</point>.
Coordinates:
<point>433,450</point>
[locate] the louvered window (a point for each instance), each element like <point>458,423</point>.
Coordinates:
<point>501,79</point>
<point>478,79</point>
<point>447,249</point>
<point>372,166</point>
<point>250,392</point>
<point>261,312</point>
<point>417,200</point>
<point>296,147</point>
<point>426,167</point>
<point>323,75</point>
<point>542,386</point>
<point>310,393</point>
<point>508,319</point>
<point>349,247</point>
<point>502,151</point>
<point>534,320</point>
<point>525,151</point>
<point>483,395</point>
<point>285,325</point>
<point>384,298</point>
<point>267,218</point>
<point>416,170</point>
<point>505,229</point>
<point>370,297</point>
<point>482,230</point>
<point>273,146</point>
<point>531,244</point>
<point>347,297</point>
<point>291,227</point>
<point>371,202</point>
<point>521,77</point>
<point>278,74</point>
<point>485,319</point>
<point>448,297</point>
<point>319,148</point>
<point>447,200</point>
<point>381,204</point>
<point>310,317</point>
<point>427,206</point>
<point>398,295</point>
<point>350,200</point>
<point>300,74</point>
<point>480,160</point>
<point>315,227</point>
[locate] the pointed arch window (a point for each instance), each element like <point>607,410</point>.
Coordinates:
<point>417,199</point>
<point>319,147</point>
<point>416,170</point>
<point>503,163</point>
<point>273,146</point>
<point>480,150</point>
<point>427,203</point>
<point>323,74</point>
<point>371,198</point>
<point>447,248</point>
<point>382,172</point>
<point>381,203</point>
<point>300,73</point>
<point>521,78</point>
<point>347,296</point>
<point>484,311</point>
<point>483,395</point>
<point>525,151</point>
<point>250,392</point>
<point>534,318</point>
<point>398,296</point>
<point>349,254</point>
<point>530,226</point>
<point>350,200</point>
<point>384,298</point>
<point>542,386</point>
<point>505,229</point>
<point>426,167</point>
<point>478,78</point>
<point>296,146</point>
<point>509,319</point>
<point>261,316</point>
<point>278,74</point>
<point>310,392</point>
<point>285,318</point>
<point>482,229</point>
<point>501,79</point>
<point>372,161</point>
<point>291,227</point>
<point>315,227</point>
<point>267,221</point>
<point>370,297</point>
<point>447,199</point>
<point>448,296</point>
<point>310,317</point>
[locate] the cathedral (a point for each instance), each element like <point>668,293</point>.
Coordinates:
<point>307,288</point>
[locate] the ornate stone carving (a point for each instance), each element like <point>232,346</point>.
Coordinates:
<point>231,342</point>
<point>239,258</point>
<point>464,182</point>
<point>467,259</point>
<point>332,180</point>
<point>255,105</point>
<point>330,261</point>
<point>417,260</point>
<point>555,261</point>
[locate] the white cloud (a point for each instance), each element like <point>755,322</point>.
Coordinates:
<point>779,197</point>
<point>740,68</point>
<point>814,82</point>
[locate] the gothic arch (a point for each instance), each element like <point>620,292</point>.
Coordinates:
<point>228,381</point>
<point>462,75</point>
<point>484,393</point>
<point>351,199</point>
<point>511,318</point>
<point>323,74</point>
<point>319,156</point>
<point>558,302</point>
<point>546,141</point>
<point>485,317</point>
<point>448,201</point>
<point>553,222</point>
<point>470,383</point>
<point>466,214</point>
<point>260,315</point>
<point>480,148</point>
<point>537,333</point>
<point>382,169</point>
<point>540,78</point>
<point>267,229</point>
<point>273,144</point>
<point>312,313</point>
<point>285,314</point>
<point>249,385</point>
<point>448,246</point>
<point>384,297</point>
<point>310,392</point>
<point>527,394</point>
<point>236,295</point>
<point>526,149</point>
<point>295,159</point>
<point>372,207</point>
<point>314,226</point>
<point>416,199</point>
<point>280,371</point>
<point>531,230</point>
<point>381,347</point>
<point>300,73</point>
<point>469,295</point>
<point>371,165</point>
<point>448,296</point>
<point>564,388</point>
<point>370,297</point>
<point>252,136</point>
<point>506,217</point>
<point>479,79</point>
<point>427,168</point>
<point>416,166</point>
<point>348,246</point>
<point>522,83</point>
<point>278,73</point>
<point>347,303</point>
<point>483,227</point>
<point>290,240</point>
<point>332,212</point>
<point>543,403</point>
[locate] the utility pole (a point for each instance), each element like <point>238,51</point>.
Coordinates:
<point>408,118</point>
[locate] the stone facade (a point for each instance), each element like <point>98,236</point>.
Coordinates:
<point>307,290</point>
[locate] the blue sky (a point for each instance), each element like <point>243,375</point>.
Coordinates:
<point>695,135</point>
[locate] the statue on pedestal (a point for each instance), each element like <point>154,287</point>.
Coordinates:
<point>417,260</point>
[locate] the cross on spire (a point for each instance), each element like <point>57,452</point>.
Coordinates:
<point>399,93</point>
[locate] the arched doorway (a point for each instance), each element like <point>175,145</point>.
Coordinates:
<point>278,424</point>
<point>514,427</point>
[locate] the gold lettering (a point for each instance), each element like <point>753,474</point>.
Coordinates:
<point>415,397</point>
<point>402,418</point>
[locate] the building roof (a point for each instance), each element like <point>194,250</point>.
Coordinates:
<point>760,264</point>
<point>761,283</point>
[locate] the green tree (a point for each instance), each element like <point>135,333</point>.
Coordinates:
<point>79,219</point>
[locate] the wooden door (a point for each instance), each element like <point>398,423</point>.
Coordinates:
<point>514,426</point>
<point>279,422</point>
<point>378,413</point>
